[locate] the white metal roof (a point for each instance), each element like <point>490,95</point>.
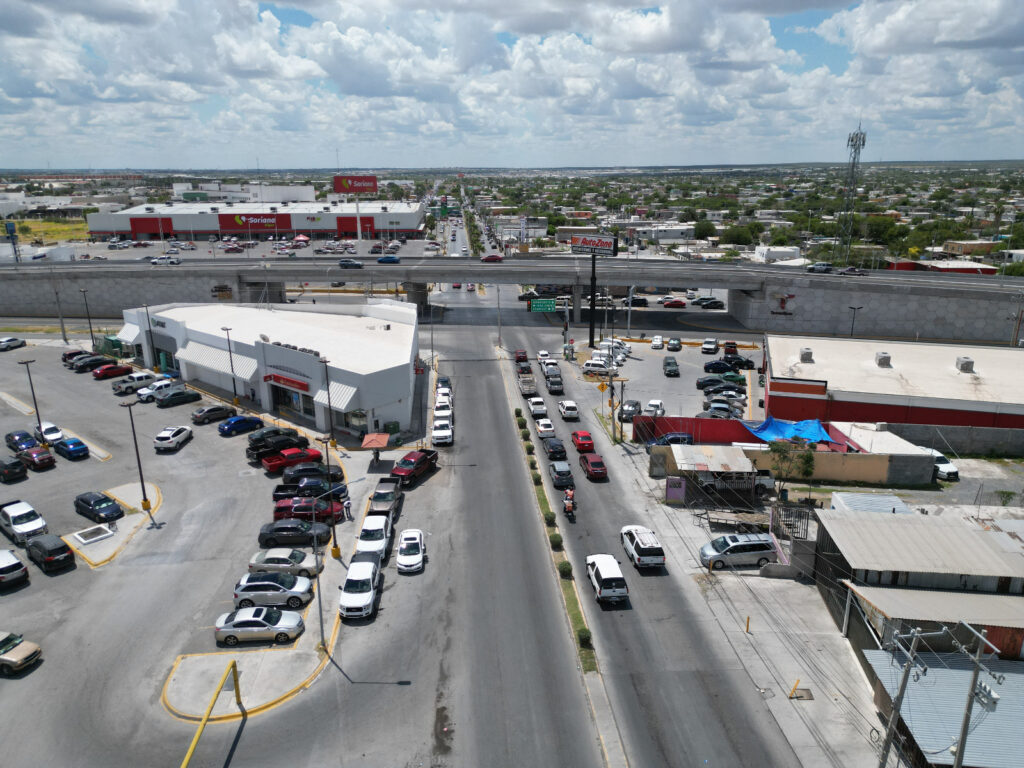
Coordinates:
<point>218,359</point>
<point>933,707</point>
<point>341,396</point>
<point>711,458</point>
<point>879,503</point>
<point>921,544</point>
<point>874,440</point>
<point>341,209</point>
<point>130,334</point>
<point>977,608</point>
<point>916,370</point>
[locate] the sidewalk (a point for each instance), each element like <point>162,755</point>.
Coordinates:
<point>100,543</point>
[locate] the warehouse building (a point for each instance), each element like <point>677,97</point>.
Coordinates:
<point>893,382</point>
<point>262,221</point>
<point>357,361</point>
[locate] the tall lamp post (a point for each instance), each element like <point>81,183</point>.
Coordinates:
<point>231,362</point>
<point>85,298</point>
<point>330,408</point>
<point>138,460</point>
<point>32,389</point>
<point>854,320</point>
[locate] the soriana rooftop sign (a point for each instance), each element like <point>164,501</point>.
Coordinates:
<point>601,246</point>
<point>245,222</point>
<point>356,185</point>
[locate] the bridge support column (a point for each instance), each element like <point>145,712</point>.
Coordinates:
<point>416,293</point>
<point>577,302</point>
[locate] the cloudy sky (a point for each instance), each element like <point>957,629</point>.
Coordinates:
<point>409,83</point>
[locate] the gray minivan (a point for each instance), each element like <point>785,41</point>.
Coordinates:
<point>738,549</point>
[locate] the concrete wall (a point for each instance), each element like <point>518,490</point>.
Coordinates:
<point>971,440</point>
<point>872,468</point>
<point>812,304</point>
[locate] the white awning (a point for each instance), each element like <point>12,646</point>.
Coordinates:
<point>130,334</point>
<point>218,360</point>
<point>341,396</point>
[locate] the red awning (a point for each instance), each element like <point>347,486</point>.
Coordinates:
<point>301,237</point>
<point>376,440</point>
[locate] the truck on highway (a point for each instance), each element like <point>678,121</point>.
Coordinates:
<point>527,384</point>
<point>413,465</point>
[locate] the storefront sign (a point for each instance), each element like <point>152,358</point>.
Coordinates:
<point>356,185</point>
<point>602,246</point>
<point>245,222</point>
<point>286,381</point>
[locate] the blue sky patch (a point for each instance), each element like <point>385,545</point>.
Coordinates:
<point>289,17</point>
<point>507,39</point>
<point>795,32</point>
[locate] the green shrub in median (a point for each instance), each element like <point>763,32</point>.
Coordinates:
<point>549,519</point>
<point>583,635</point>
<point>530,448</point>
<point>524,433</point>
<point>556,541</point>
<point>520,422</point>
<point>519,413</point>
<point>564,567</point>
<point>533,463</point>
<point>536,478</point>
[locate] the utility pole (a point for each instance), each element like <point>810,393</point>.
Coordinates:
<point>989,699</point>
<point>854,320</point>
<point>497,289</point>
<point>894,716</point>
<point>593,296</point>
<point>60,314</point>
<point>629,312</point>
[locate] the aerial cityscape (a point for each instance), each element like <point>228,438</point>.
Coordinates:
<point>547,384</point>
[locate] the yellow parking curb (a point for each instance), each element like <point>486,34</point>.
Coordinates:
<point>99,563</point>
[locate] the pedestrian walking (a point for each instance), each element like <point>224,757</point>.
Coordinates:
<point>348,509</point>
<point>376,456</point>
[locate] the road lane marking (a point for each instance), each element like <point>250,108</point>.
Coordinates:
<point>94,450</point>
<point>17,404</point>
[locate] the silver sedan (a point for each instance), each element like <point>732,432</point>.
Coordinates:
<point>273,589</point>
<point>250,624</point>
<point>284,560</point>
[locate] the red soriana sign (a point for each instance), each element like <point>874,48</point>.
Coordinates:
<point>246,222</point>
<point>293,383</point>
<point>597,244</point>
<point>356,185</point>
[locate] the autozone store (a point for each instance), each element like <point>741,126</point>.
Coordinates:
<point>192,221</point>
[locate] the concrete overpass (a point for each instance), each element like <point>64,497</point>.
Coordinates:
<point>761,297</point>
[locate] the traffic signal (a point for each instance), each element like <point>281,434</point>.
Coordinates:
<point>529,305</point>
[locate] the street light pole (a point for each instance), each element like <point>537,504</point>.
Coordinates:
<point>330,408</point>
<point>138,460</point>
<point>231,362</point>
<point>92,339</point>
<point>854,320</point>
<point>32,389</point>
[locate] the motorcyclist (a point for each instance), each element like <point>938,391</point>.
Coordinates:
<point>569,501</point>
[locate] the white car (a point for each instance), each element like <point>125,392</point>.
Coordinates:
<point>442,433</point>
<point>375,535</point>
<point>545,429</point>
<point>709,347</point>
<point>10,342</point>
<point>945,468</point>
<point>445,392</point>
<point>543,355</point>
<point>148,394</point>
<point>654,408</point>
<point>358,597</point>
<point>285,560</point>
<point>412,551</point>
<point>657,342</point>
<point>20,521</point>
<point>568,410</point>
<point>444,412</point>
<point>48,432</point>
<point>663,299</point>
<point>691,295</point>
<point>538,409</point>
<point>172,438</point>
<point>165,261</point>
<point>171,251</point>
<point>642,546</point>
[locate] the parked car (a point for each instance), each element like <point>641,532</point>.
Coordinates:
<point>629,409</point>
<point>360,592</point>
<point>654,408</point>
<point>111,371</point>
<point>713,304</point>
<point>606,578</point>
<point>739,362</point>
<point>285,560</point>
<point>718,366</point>
<point>290,457</point>
<point>235,425</point>
<point>258,439</point>
<point>71,354</point>
<point>89,363</point>
<point>273,589</point>
<point>709,347</point>
<point>642,546</point>
<point>561,474</point>
<point>738,549</point>
<point>311,509</point>
<point>412,551</point>
<point>215,412</point>
<point>249,624</point>
<point>945,469</point>
<point>593,466</point>
<point>49,552</point>
<point>657,342</point>
<point>98,507</point>
<point>670,367</point>
<point>12,570</point>
<point>11,469</point>
<point>172,438</point>
<point>17,653</point>
<point>179,397</point>
<point>47,432</point>
<point>293,532</point>
<point>157,387</point>
<point>10,342</point>
<point>296,472</point>
<point>669,438</point>
<point>20,521</point>
<point>37,458</point>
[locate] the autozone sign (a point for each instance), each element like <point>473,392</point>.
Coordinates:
<point>241,222</point>
<point>602,246</point>
<point>356,185</point>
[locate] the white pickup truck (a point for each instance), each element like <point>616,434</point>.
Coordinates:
<point>133,383</point>
<point>442,433</point>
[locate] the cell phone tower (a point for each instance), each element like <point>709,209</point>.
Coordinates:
<point>841,251</point>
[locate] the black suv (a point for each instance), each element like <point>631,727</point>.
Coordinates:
<point>670,366</point>
<point>49,552</point>
<point>739,362</point>
<point>637,301</point>
<point>629,409</point>
<point>311,469</point>
<point>260,449</point>
<point>554,448</point>
<point>11,469</point>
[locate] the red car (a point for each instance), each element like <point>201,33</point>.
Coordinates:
<point>521,356</point>
<point>289,457</point>
<point>36,458</point>
<point>593,466</point>
<point>674,303</point>
<point>456,286</point>
<point>492,257</point>
<point>302,509</point>
<point>583,441</point>
<point>111,371</point>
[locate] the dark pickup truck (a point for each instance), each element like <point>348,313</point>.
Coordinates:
<point>387,497</point>
<point>312,469</point>
<point>311,487</point>
<point>413,465</point>
<point>275,444</point>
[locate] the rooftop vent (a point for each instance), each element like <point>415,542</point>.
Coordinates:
<point>150,210</point>
<point>214,208</point>
<point>228,203</point>
<point>384,208</point>
<point>965,364</point>
<point>273,209</point>
<point>806,355</point>
<point>277,343</point>
<point>327,208</point>
<point>883,359</point>
<point>284,203</point>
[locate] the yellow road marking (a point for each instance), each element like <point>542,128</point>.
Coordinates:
<point>17,404</point>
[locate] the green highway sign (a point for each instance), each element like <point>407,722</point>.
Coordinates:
<point>542,305</point>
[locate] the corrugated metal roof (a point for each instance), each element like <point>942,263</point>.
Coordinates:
<point>130,334</point>
<point>341,396</point>
<point>933,707</point>
<point>921,544</point>
<point>711,458</point>
<point>871,502</point>
<point>976,608</point>
<point>215,359</point>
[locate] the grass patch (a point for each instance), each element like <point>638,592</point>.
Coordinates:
<point>50,230</point>
<point>542,500</point>
<point>607,425</point>
<point>588,658</point>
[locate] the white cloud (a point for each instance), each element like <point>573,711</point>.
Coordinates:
<point>163,83</point>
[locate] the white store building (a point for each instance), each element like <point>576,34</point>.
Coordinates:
<point>284,357</point>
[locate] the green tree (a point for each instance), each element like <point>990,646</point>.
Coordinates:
<point>737,236</point>
<point>25,229</point>
<point>704,229</point>
<point>780,236</point>
<point>880,228</point>
<point>787,460</point>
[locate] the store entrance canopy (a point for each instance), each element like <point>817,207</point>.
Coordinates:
<point>376,440</point>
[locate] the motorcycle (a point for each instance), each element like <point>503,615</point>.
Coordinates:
<point>569,507</point>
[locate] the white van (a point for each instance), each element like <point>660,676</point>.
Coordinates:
<point>596,366</point>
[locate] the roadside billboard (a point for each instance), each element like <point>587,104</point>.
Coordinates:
<point>246,222</point>
<point>356,185</point>
<point>596,244</point>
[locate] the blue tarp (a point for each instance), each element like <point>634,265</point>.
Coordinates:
<point>772,429</point>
